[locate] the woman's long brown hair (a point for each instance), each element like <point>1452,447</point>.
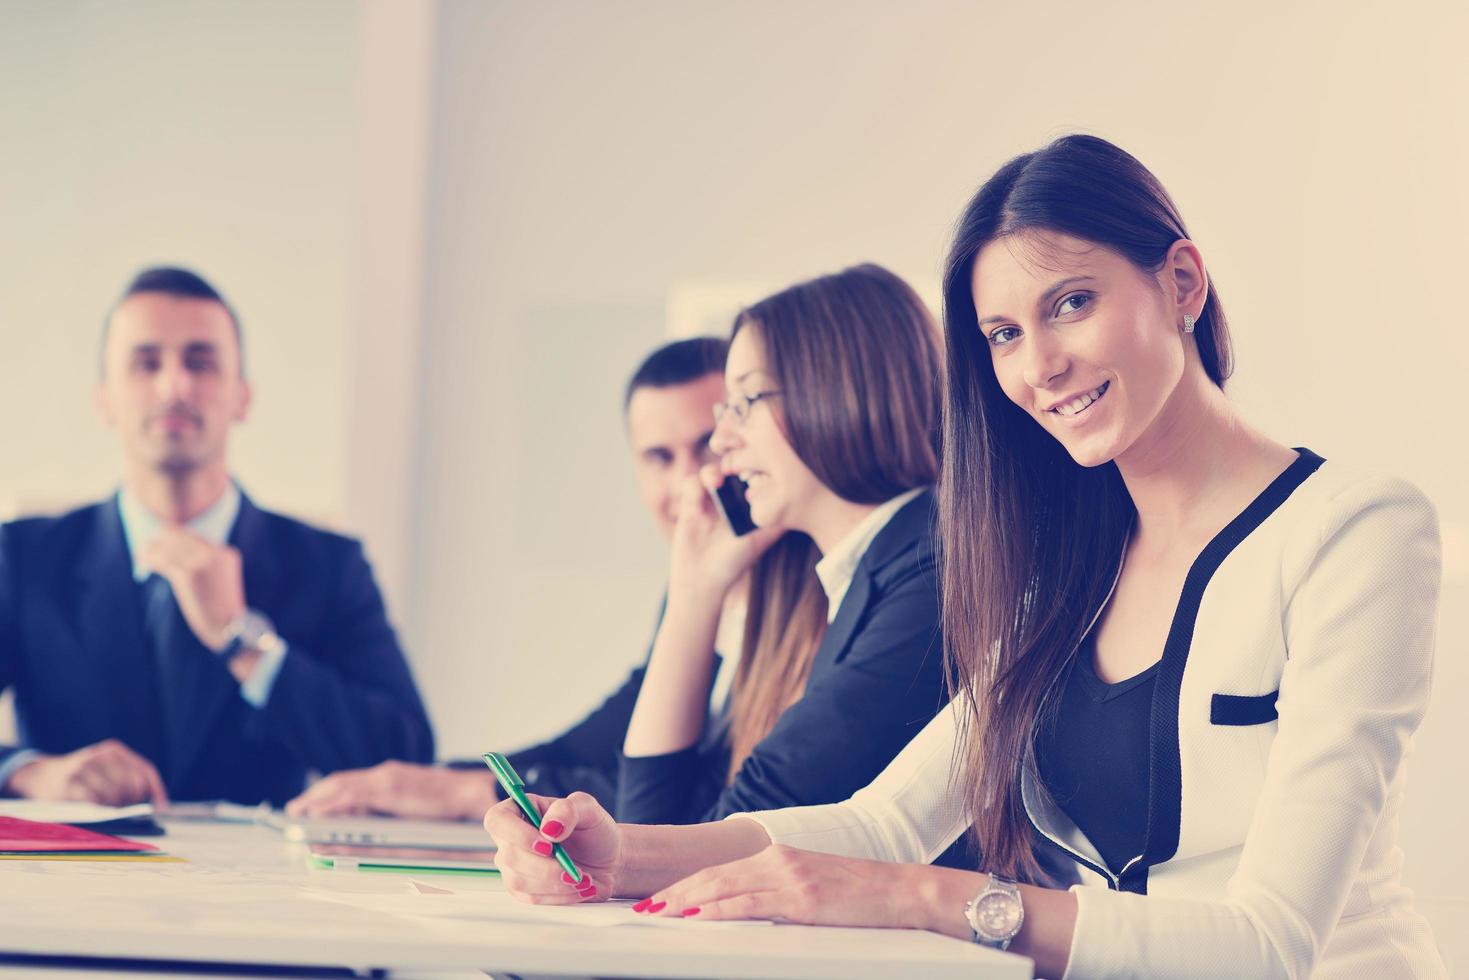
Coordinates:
<point>1031,540</point>
<point>855,356</point>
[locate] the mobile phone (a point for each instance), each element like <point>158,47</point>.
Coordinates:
<point>730,499</point>
<point>514,788</point>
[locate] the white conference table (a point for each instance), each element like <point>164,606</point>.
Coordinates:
<point>247,898</point>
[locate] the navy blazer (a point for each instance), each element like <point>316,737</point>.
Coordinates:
<point>73,648</point>
<point>876,680</point>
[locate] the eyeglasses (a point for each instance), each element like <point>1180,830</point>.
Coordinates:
<point>740,406</point>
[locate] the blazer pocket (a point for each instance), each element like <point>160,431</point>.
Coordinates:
<point>1243,709</point>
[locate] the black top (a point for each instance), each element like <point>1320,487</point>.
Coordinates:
<point>1165,767</point>
<point>73,648</point>
<point>876,680</point>
<point>1093,757</point>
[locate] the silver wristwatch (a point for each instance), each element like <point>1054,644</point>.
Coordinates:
<point>251,630</point>
<point>995,914</point>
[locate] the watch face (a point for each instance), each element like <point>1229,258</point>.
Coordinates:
<point>256,632</point>
<point>997,916</point>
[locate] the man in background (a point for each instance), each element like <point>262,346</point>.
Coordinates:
<point>175,640</point>
<point>669,412</point>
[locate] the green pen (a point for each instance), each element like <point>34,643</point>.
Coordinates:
<point>514,788</point>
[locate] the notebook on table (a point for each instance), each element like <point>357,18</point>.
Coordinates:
<point>134,821</point>
<point>36,840</point>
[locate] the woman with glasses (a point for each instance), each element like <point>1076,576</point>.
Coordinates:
<point>831,425</point>
<point>1188,659</point>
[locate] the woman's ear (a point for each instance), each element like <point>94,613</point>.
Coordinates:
<point>1184,278</point>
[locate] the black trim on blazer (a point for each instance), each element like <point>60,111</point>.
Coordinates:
<point>1165,765</point>
<point>1243,709</point>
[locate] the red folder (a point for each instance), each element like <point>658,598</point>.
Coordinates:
<point>32,837</point>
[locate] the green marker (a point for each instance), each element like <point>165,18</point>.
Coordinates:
<point>514,788</point>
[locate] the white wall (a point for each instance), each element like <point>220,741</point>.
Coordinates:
<point>213,135</point>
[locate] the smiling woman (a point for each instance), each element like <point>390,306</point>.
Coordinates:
<point>851,359</point>
<point>1216,775</point>
<point>1065,289</point>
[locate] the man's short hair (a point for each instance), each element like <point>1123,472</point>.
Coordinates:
<point>678,363</point>
<point>174,281</point>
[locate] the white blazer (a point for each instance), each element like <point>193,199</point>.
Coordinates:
<point>1296,669</point>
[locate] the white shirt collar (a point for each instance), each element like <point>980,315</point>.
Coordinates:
<point>836,567</point>
<point>140,525</point>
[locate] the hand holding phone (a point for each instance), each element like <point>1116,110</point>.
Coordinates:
<point>712,546</point>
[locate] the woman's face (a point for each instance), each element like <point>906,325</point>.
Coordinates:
<point>1083,340</point>
<point>779,487</point>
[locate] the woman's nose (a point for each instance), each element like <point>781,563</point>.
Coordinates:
<point>1045,361</point>
<point>726,434</point>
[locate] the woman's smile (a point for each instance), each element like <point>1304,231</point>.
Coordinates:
<point>1078,409</point>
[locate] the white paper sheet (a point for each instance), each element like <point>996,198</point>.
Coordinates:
<point>438,902</point>
<point>73,813</point>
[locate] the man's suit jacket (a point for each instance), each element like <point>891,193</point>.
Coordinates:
<point>72,645</point>
<point>877,678</point>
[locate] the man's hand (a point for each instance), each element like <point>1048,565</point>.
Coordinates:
<point>107,772</point>
<point>401,789</point>
<point>207,581</point>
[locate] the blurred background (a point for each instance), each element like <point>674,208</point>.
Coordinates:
<point>453,227</point>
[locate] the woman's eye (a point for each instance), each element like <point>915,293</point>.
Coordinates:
<point>1003,336</point>
<point>1072,303</point>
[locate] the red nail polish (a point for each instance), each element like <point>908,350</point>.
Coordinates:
<point>688,912</point>
<point>655,909</point>
<point>588,892</point>
<point>552,828</point>
<point>641,906</point>
<point>541,847</point>
<point>566,877</point>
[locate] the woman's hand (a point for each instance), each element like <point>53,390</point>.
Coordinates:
<point>792,885</point>
<point>524,857</point>
<point>708,558</point>
<point>800,886</point>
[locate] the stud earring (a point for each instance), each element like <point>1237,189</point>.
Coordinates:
<point>1188,323</point>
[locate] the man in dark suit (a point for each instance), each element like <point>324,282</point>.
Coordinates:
<point>668,409</point>
<point>175,640</point>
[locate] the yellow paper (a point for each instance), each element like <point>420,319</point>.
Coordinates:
<point>119,856</point>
